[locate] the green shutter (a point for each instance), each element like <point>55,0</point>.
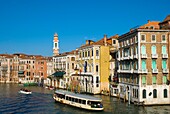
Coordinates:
<point>154,79</point>
<point>164,79</point>
<point>153,64</point>
<point>163,49</point>
<point>143,64</point>
<point>164,64</point>
<point>153,49</point>
<point>143,79</point>
<point>143,50</point>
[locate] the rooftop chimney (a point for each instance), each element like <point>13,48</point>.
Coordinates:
<point>105,40</point>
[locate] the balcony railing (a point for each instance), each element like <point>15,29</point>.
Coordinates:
<point>165,70</point>
<point>126,71</point>
<point>143,55</point>
<point>143,70</point>
<point>131,57</point>
<point>154,55</point>
<point>155,70</point>
<point>164,55</point>
<point>135,56</point>
<point>125,58</point>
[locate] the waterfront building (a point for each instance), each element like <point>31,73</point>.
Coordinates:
<point>113,78</point>
<point>144,64</point>
<point>6,68</point>
<point>65,63</point>
<point>50,70</point>
<point>22,68</point>
<point>40,69</point>
<point>93,65</point>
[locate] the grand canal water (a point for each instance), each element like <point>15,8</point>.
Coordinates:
<point>41,102</point>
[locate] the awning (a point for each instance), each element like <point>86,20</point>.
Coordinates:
<point>58,74</point>
<point>20,72</point>
<point>81,75</point>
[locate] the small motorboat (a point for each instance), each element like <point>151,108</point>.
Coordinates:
<point>25,91</point>
<point>51,88</point>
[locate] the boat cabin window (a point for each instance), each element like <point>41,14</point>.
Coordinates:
<point>69,98</point>
<point>60,95</point>
<point>76,100</point>
<point>72,99</point>
<point>80,101</point>
<point>95,104</point>
<point>83,101</point>
<point>66,97</point>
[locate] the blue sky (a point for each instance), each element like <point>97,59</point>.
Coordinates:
<point>28,26</point>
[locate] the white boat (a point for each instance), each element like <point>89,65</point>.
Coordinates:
<point>25,91</point>
<point>78,100</point>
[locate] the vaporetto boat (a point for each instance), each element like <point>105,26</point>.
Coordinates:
<point>78,100</point>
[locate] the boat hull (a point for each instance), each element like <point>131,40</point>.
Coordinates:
<point>24,92</point>
<point>82,106</point>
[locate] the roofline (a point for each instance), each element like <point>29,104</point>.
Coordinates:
<point>142,30</point>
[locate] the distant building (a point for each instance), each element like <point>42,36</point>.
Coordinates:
<point>144,64</point>
<point>22,68</point>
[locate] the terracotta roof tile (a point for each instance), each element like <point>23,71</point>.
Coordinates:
<point>154,24</point>
<point>167,19</point>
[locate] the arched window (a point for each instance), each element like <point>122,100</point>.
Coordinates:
<point>143,64</point>
<point>143,49</point>
<point>144,94</point>
<point>164,50</point>
<point>153,49</point>
<point>154,93</point>
<point>153,64</point>
<point>165,93</point>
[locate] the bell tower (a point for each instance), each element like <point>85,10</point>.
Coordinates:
<point>55,45</point>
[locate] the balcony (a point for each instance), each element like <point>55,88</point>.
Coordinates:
<point>118,58</point>
<point>165,70</point>
<point>135,56</point>
<point>154,55</point>
<point>164,55</point>
<point>155,70</point>
<point>113,49</point>
<point>143,71</point>
<point>131,57</point>
<point>125,71</point>
<point>125,58</point>
<point>143,55</point>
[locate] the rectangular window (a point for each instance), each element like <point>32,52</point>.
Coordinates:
<point>153,38</point>
<point>163,38</point>
<point>97,79</point>
<point>153,79</point>
<point>97,68</point>
<point>143,38</point>
<point>143,79</point>
<point>165,93</point>
<point>114,41</point>
<point>97,52</point>
<point>92,52</point>
<point>154,93</point>
<point>88,53</point>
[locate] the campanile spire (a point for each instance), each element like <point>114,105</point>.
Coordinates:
<point>55,45</point>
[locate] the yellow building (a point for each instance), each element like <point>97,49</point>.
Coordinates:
<point>93,64</point>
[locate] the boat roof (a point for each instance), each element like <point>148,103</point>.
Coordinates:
<point>77,95</point>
